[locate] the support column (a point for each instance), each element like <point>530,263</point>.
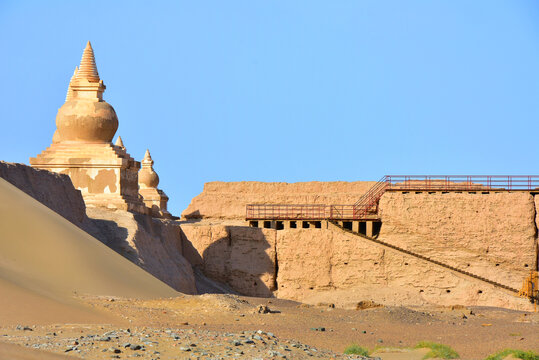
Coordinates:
<point>369,229</point>
<point>286,224</point>
<point>355,226</point>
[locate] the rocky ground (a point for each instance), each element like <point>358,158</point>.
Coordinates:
<point>171,343</point>
<point>228,327</point>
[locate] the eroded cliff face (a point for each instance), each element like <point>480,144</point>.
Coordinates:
<point>355,269</point>
<point>221,200</point>
<point>241,257</point>
<point>53,190</point>
<point>153,244</point>
<point>492,235</point>
<point>330,265</point>
<point>489,235</point>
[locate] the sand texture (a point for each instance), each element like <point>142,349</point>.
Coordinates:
<point>228,327</point>
<point>51,189</point>
<point>17,352</point>
<point>153,244</point>
<point>42,255</point>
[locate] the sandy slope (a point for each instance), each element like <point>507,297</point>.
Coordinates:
<point>44,260</point>
<point>17,352</point>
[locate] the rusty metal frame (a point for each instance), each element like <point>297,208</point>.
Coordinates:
<point>367,206</point>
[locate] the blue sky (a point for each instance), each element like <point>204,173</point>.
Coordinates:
<point>285,90</point>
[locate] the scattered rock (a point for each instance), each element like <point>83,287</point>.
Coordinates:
<point>263,309</point>
<point>24,328</point>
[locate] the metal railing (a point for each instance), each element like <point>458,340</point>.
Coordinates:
<point>367,205</point>
<point>301,212</point>
<point>462,182</point>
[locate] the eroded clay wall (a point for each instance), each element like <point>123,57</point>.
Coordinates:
<point>242,257</point>
<point>492,235</point>
<point>153,244</point>
<point>330,265</point>
<point>227,200</point>
<point>53,190</point>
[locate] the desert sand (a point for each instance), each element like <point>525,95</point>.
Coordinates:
<point>227,326</point>
<point>45,260</point>
<point>66,293</point>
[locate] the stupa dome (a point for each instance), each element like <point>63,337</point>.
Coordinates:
<point>85,116</point>
<point>82,120</point>
<point>147,176</point>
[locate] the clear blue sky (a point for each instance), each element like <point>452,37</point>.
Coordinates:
<point>285,90</point>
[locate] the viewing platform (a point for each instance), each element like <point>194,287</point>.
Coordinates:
<point>363,214</point>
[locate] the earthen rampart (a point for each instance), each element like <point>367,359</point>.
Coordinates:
<point>491,236</point>
<point>227,200</point>
<point>153,244</point>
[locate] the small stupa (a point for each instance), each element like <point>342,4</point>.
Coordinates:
<point>82,148</point>
<point>155,199</point>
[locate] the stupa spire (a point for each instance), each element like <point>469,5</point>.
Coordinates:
<point>119,142</point>
<point>147,157</point>
<point>69,95</point>
<point>88,68</point>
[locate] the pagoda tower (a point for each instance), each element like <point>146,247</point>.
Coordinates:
<point>82,148</point>
<point>155,199</point>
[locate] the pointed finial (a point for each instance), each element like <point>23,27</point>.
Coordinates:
<point>69,95</point>
<point>119,142</point>
<point>147,155</point>
<point>88,68</point>
<point>147,161</point>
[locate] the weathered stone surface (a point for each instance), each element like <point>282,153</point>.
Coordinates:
<point>106,174</point>
<point>337,267</point>
<point>153,244</point>
<point>154,198</point>
<point>53,190</point>
<point>489,235</point>
<point>222,200</point>
<point>492,235</point>
<point>241,257</point>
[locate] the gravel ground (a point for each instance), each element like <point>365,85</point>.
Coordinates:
<point>148,343</point>
<point>229,327</point>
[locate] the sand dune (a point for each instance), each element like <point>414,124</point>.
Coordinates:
<point>45,260</point>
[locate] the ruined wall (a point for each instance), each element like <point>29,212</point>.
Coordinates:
<point>492,235</point>
<point>153,244</point>
<point>330,265</point>
<point>241,257</point>
<point>221,200</point>
<point>53,190</point>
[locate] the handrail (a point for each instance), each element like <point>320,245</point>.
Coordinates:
<point>367,205</point>
<point>425,258</point>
